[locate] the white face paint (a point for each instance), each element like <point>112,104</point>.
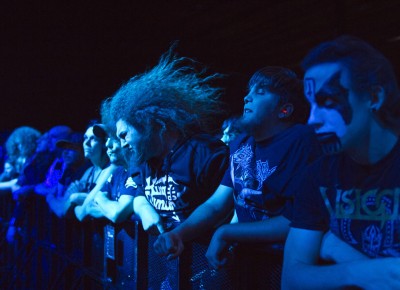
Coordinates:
<point>335,107</point>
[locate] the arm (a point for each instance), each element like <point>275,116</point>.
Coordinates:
<point>81,211</point>
<point>203,219</point>
<point>274,229</point>
<point>5,186</point>
<point>234,218</point>
<point>301,271</point>
<point>151,220</point>
<point>42,189</point>
<point>335,250</point>
<point>115,211</point>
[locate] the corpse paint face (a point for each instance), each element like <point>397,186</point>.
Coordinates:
<point>331,95</point>
<point>335,108</point>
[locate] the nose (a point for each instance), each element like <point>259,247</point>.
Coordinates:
<point>315,118</point>
<point>108,143</point>
<point>247,98</point>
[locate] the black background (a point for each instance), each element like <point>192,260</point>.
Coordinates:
<point>59,59</point>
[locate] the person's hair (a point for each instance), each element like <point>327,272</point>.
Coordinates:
<point>171,97</point>
<point>232,122</point>
<point>106,119</point>
<point>368,68</point>
<point>27,137</point>
<point>285,84</point>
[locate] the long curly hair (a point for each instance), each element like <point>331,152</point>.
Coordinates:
<point>171,97</point>
<point>22,142</point>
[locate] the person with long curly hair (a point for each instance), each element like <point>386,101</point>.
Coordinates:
<point>165,117</point>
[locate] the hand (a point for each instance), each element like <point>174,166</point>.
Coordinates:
<point>78,197</point>
<point>152,222</point>
<point>169,244</point>
<point>73,187</point>
<point>379,273</point>
<point>94,210</point>
<point>217,250</point>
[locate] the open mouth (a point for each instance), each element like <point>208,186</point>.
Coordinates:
<point>246,111</point>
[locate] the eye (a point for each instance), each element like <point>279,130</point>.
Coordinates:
<point>122,135</point>
<point>329,102</point>
<point>260,91</point>
<point>326,101</point>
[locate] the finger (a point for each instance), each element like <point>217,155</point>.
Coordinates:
<point>174,252</point>
<point>160,228</point>
<point>157,246</point>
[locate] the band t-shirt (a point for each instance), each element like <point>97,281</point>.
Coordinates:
<point>119,183</point>
<point>358,203</point>
<point>187,177</point>
<point>259,172</point>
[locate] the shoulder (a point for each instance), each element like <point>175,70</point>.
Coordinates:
<point>87,173</point>
<point>241,140</point>
<point>205,142</point>
<point>301,131</point>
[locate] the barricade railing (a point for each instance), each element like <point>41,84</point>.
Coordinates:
<point>63,253</point>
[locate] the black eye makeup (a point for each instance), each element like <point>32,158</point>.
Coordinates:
<point>333,95</point>
<point>122,135</point>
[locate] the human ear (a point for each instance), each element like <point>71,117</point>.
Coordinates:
<point>378,96</point>
<point>285,111</point>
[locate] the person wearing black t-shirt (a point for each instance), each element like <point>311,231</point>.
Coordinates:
<point>165,118</point>
<point>346,206</point>
<point>262,161</point>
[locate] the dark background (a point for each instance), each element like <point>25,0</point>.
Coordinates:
<point>59,59</point>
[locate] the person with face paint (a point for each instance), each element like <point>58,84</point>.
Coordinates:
<point>273,147</point>
<point>346,208</point>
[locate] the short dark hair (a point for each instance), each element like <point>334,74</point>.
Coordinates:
<point>287,86</point>
<point>368,68</point>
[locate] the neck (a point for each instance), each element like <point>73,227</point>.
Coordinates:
<point>376,145</point>
<point>265,132</point>
<point>169,143</point>
<point>100,163</point>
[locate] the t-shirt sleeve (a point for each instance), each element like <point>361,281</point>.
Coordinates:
<point>214,168</point>
<point>307,210</point>
<point>127,186</point>
<point>227,179</point>
<point>135,180</point>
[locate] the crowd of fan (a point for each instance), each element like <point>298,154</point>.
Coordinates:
<point>324,191</point>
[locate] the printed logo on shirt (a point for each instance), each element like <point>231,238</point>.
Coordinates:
<point>163,196</point>
<point>250,174</point>
<point>373,213</point>
<point>130,183</point>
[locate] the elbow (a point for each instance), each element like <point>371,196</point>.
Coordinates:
<point>114,219</point>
